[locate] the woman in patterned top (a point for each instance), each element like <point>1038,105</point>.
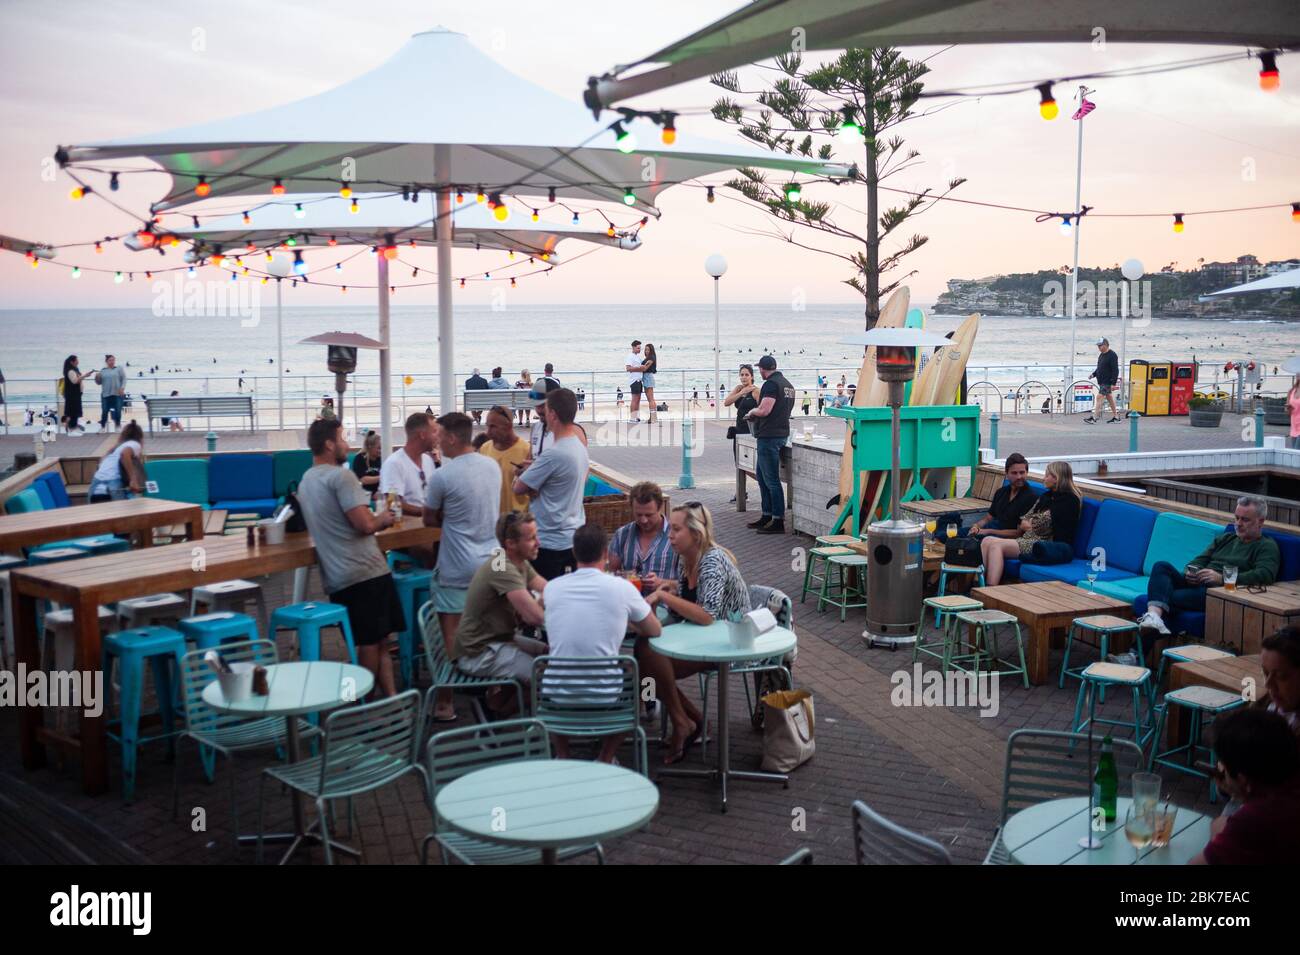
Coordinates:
<point>709,588</point>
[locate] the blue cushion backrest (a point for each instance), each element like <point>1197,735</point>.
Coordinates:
<point>43,492</point>
<point>240,477</point>
<point>24,502</point>
<point>179,479</point>
<point>1087,520</point>
<point>1122,530</point>
<point>1289,545</point>
<point>290,466</point>
<point>1177,538</point>
<point>54,484</point>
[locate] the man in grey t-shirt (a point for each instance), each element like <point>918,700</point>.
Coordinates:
<point>352,567</point>
<point>464,499</point>
<point>113,382</point>
<point>555,481</point>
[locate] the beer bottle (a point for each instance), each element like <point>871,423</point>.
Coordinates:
<point>1105,782</point>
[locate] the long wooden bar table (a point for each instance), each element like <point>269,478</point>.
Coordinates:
<point>139,515</point>
<point>85,584</point>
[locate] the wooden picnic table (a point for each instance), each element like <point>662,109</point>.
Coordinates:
<point>1232,674</point>
<point>1045,608</point>
<point>138,515</point>
<point>84,584</point>
<point>936,507</point>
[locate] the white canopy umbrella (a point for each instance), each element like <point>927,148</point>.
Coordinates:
<point>1276,282</point>
<point>382,219</point>
<point>766,28</point>
<point>438,115</point>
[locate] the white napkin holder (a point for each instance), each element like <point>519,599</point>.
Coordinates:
<point>747,629</point>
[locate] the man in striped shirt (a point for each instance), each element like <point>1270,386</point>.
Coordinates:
<point>642,545</point>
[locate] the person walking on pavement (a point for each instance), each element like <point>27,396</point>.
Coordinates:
<point>1107,375</point>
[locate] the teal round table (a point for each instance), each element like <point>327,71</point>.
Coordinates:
<point>547,804</point>
<point>297,689</point>
<point>712,644</point>
<point>1049,833</point>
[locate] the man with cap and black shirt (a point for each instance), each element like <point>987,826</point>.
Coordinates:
<point>1107,375</point>
<point>770,423</point>
<point>476,382</point>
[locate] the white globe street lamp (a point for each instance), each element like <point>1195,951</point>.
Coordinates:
<point>1132,270</point>
<point>716,266</point>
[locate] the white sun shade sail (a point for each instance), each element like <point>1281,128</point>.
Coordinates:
<point>1279,281</point>
<point>767,28</point>
<point>437,95</point>
<point>379,217</point>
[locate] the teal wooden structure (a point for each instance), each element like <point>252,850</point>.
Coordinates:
<point>930,436</point>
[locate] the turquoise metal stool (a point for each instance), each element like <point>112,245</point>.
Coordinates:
<point>309,619</point>
<point>837,590</point>
<point>810,574</point>
<point>945,615</point>
<point>1096,675</point>
<point>1201,702</point>
<point>1105,626</point>
<point>413,591</point>
<point>946,569</point>
<point>984,641</point>
<point>160,646</point>
<point>1187,653</point>
<point>210,630</point>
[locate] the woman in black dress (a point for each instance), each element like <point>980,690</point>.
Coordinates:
<point>72,412</point>
<point>745,398</point>
<point>648,379</point>
<point>367,462</point>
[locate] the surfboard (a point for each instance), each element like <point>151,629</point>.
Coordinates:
<point>868,392</point>
<point>938,382</point>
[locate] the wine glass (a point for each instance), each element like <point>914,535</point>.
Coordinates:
<point>1139,828</point>
<point>952,531</point>
<point>1092,579</point>
<point>931,526</point>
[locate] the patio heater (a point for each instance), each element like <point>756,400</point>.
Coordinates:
<point>341,358</point>
<point>895,567</point>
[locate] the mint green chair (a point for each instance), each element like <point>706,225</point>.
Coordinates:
<point>839,589</point>
<point>945,610</point>
<point>222,733</point>
<point>590,698</point>
<point>986,625</point>
<point>1137,679</point>
<point>1105,626</point>
<point>810,574</point>
<point>179,479</point>
<point>365,748</point>
<point>458,752</point>
<point>1203,704</point>
<point>444,674</point>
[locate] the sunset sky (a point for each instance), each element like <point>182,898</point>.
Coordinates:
<point>1187,141</point>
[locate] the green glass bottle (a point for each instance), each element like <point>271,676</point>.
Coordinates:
<point>1105,782</point>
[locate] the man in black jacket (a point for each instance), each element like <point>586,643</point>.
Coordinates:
<point>1107,375</point>
<point>476,382</point>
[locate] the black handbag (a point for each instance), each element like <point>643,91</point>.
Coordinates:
<point>962,552</point>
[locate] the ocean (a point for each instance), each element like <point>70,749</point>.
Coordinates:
<point>208,353</point>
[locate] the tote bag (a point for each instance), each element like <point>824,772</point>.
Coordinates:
<point>788,728</point>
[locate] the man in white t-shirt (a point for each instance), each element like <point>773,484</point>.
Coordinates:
<point>408,469</point>
<point>635,366</point>
<point>588,613</point>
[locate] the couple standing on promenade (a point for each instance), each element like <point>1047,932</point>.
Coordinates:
<point>641,368</point>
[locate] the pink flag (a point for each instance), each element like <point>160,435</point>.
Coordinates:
<point>1087,107</point>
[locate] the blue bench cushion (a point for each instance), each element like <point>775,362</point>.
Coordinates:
<point>1073,572</point>
<point>288,469</point>
<point>1122,531</point>
<point>261,506</point>
<point>1175,538</point>
<point>54,489</point>
<point>26,501</point>
<point>179,479</point>
<point>1289,545</point>
<point>240,477</point>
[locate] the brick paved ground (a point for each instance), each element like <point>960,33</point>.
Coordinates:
<point>936,770</point>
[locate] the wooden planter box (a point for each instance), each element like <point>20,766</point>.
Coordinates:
<point>1241,619</point>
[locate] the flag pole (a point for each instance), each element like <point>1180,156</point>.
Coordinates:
<point>1078,224</point>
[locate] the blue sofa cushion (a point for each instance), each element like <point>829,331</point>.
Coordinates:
<point>54,485</point>
<point>1123,531</point>
<point>1087,521</point>
<point>261,506</point>
<point>240,477</point>
<point>43,495</point>
<point>1073,572</point>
